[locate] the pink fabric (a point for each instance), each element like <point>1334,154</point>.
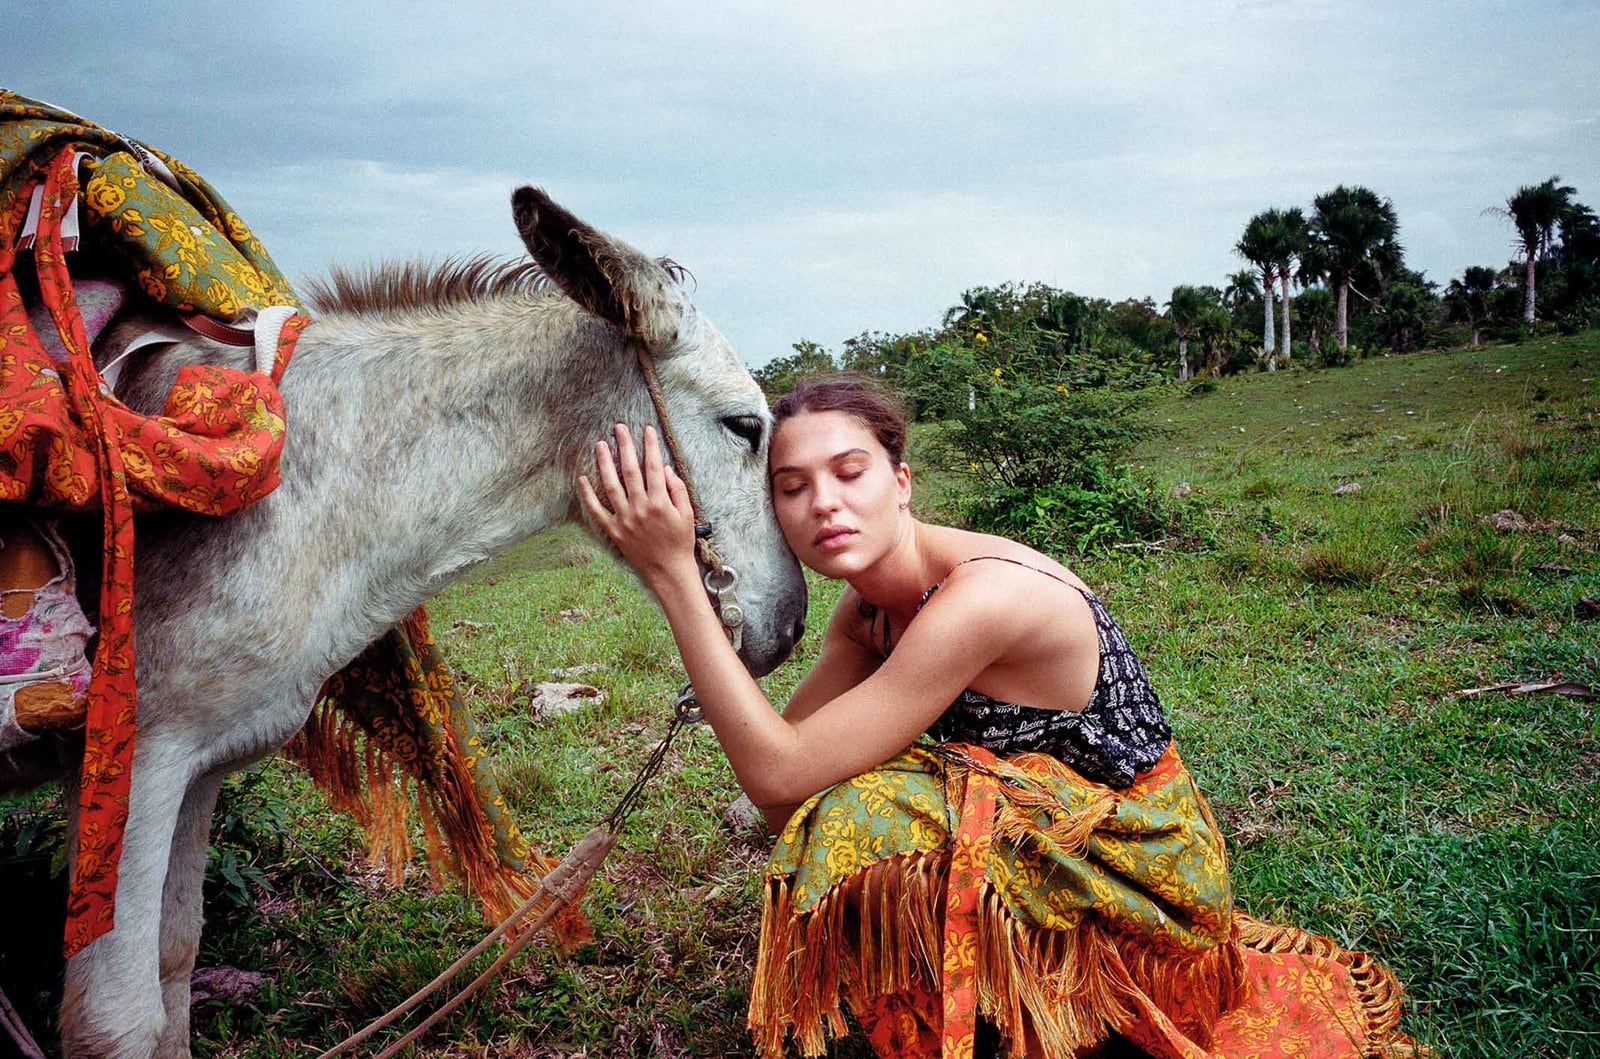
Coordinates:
<point>99,300</point>
<point>46,643</point>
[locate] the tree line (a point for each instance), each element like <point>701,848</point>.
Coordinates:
<point>1032,386</point>
<point>1324,285</point>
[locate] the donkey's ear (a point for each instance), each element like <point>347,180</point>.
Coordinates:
<point>606,276</point>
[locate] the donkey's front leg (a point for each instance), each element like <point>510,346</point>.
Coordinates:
<point>111,1006</point>
<point>181,908</point>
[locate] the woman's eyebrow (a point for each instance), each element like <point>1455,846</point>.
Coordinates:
<point>835,458</point>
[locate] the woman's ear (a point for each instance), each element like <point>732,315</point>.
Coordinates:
<point>902,479</point>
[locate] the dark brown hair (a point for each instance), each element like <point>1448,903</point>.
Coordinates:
<point>873,407</point>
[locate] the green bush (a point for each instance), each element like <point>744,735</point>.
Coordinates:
<point>1111,507</point>
<point>1039,433</point>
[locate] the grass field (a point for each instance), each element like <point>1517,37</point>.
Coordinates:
<point>1312,645</point>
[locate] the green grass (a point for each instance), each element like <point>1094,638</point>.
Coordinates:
<point>1311,649</point>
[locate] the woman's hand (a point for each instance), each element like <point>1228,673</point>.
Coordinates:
<point>644,509</point>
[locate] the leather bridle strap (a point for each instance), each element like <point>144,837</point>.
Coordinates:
<point>719,576</point>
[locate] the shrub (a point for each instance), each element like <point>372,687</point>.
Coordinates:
<point>1039,434</point>
<point>1110,507</point>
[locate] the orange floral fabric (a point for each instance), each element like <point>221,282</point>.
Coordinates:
<point>969,867</point>
<point>947,885</point>
<point>67,443</point>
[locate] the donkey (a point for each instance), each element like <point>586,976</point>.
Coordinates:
<point>436,417</point>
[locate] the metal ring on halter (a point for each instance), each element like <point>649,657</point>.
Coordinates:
<point>720,584</point>
<point>720,581</point>
<point>687,708</point>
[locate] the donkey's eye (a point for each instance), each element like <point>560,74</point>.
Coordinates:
<point>750,428</point>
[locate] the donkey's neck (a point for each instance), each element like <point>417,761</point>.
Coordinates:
<point>421,445</point>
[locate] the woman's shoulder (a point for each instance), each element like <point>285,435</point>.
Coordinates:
<point>986,557</point>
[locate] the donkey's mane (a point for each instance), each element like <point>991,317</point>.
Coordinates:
<point>400,286</point>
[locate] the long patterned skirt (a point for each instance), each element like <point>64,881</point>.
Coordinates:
<point>947,886</point>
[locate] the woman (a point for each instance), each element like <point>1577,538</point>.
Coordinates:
<point>984,828</point>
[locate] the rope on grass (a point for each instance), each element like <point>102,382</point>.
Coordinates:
<point>12,1023</point>
<point>562,886</point>
<point>567,880</point>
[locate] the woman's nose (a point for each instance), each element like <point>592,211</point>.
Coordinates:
<point>824,497</point>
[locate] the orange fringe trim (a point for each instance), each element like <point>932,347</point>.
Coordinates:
<point>1378,990</point>
<point>878,933</point>
<point>372,785</point>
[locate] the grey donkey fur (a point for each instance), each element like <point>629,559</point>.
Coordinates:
<point>433,421</point>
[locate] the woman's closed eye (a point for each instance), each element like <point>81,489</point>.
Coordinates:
<point>794,487</point>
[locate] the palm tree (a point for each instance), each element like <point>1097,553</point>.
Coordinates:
<point>1241,292</point>
<point>1352,231</point>
<point>1468,299</point>
<point>1534,211</point>
<point>1213,327</point>
<point>1289,245</point>
<point>1070,315</point>
<point>1257,245</point>
<point>977,306</point>
<point>1184,309</point>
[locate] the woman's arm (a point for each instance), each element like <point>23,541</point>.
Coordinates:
<point>842,663</point>
<point>780,761</point>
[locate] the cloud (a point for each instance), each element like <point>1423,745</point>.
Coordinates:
<point>834,167</point>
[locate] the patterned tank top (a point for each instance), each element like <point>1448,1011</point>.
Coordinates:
<point>1119,734</point>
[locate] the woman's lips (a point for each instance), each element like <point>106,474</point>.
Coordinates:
<point>833,539</point>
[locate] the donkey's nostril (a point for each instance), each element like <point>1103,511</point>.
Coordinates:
<point>799,630</point>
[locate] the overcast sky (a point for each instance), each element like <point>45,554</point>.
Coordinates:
<point>833,167</point>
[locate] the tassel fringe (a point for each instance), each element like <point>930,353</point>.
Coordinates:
<point>1066,990</point>
<point>374,786</point>
<point>1380,992</point>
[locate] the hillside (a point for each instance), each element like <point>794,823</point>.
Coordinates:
<point>1312,645</point>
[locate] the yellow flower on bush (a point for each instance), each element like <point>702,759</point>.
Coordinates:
<point>1060,388</point>
<point>980,337</point>
<point>998,373</point>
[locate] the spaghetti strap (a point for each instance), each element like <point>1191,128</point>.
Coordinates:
<point>1014,562</point>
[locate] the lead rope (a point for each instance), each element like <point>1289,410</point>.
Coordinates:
<point>566,881</point>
